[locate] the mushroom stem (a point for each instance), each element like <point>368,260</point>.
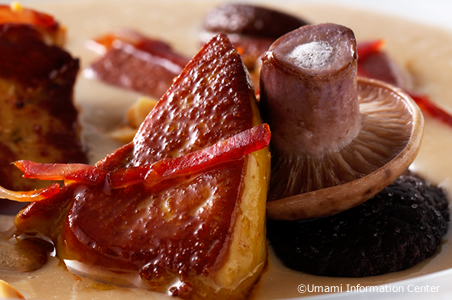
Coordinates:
<point>336,139</point>
<point>309,90</point>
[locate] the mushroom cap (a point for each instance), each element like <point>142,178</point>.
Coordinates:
<point>251,20</point>
<point>389,140</point>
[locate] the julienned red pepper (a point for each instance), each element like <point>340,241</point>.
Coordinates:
<point>231,149</point>
<point>366,48</point>
<point>426,105</point>
<point>30,196</point>
<point>80,173</point>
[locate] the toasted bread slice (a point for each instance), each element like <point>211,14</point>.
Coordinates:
<point>199,236</point>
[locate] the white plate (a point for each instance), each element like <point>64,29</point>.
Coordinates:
<point>103,107</point>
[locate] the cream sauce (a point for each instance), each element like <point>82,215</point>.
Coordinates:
<point>423,50</point>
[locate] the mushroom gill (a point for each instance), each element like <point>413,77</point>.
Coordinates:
<point>337,139</point>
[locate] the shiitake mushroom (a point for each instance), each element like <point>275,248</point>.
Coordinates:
<point>337,139</point>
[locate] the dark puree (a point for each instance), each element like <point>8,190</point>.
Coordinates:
<point>394,230</point>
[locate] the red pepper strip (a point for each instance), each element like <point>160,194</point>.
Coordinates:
<point>138,41</point>
<point>26,16</point>
<point>366,48</point>
<point>131,37</point>
<point>425,104</point>
<point>423,101</point>
<point>80,173</point>
<point>233,148</point>
<point>30,196</point>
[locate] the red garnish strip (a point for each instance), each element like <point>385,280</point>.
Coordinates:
<point>30,196</point>
<point>423,101</point>
<point>426,105</point>
<point>235,147</point>
<point>369,47</point>
<point>44,23</point>
<point>80,173</point>
<point>15,13</point>
<point>132,37</point>
<point>103,43</point>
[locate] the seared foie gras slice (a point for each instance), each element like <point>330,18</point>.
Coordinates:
<point>200,236</point>
<point>38,120</point>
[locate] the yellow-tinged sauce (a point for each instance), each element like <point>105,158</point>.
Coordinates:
<point>425,51</point>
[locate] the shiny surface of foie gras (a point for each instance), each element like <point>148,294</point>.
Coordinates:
<point>205,230</point>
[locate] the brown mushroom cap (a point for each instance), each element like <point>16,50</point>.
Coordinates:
<point>251,20</point>
<point>392,129</point>
<point>336,140</point>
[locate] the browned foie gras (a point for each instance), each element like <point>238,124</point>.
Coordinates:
<point>336,139</point>
<point>183,205</point>
<point>38,119</point>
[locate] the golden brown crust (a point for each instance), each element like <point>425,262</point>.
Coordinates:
<point>38,120</point>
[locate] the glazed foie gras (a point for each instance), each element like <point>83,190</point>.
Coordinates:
<point>183,205</point>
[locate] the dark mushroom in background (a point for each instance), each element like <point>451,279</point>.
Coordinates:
<point>336,140</point>
<point>251,29</point>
